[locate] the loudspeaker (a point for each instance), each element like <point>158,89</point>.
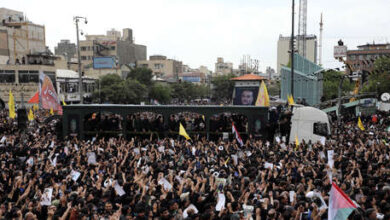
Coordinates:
<point>22,118</point>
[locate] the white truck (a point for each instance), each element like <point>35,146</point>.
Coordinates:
<point>309,124</point>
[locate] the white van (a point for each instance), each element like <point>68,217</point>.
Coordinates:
<point>308,123</point>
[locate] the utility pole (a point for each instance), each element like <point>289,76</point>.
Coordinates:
<point>76,19</point>
<point>320,45</point>
<point>292,48</point>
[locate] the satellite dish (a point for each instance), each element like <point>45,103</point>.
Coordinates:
<point>385,97</point>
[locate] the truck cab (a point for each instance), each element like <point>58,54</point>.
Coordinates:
<point>309,124</point>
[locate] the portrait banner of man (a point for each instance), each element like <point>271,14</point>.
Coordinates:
<point>245,95</point>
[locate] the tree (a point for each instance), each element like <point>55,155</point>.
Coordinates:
<point>109,79</point>
<point>133,92</point>
<point>331,84</point>
<point>163,94</point>
<point>109,86</point>
<point>142,75</point>
<point>379,79</point>
<point>115,90</point>
<point>223,86</point>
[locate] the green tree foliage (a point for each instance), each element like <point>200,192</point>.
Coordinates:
<point>109,79</point>
<point>331,84</point>
<point>186,91</point>
<point>134,92</point>
<point>223,86</point>
<point>142,75</point>
<point>163,94</point>
<point>115,90</point>
<point>379,79</point>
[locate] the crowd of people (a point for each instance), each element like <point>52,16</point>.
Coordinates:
<point>147,122</point>
<point>44,177</point>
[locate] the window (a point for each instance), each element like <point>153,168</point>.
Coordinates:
<point>112,47</point>
<point>72,87</point>
<point>28,76</point>
<point>320,129</point>
<point>144,66</point>
<point>83,48</point>
<point>158,65</point>
<point>62,87</point>
<point>352,57</point>
<point>83,57</point>
<point>361,57</point>
<point>7,76</point>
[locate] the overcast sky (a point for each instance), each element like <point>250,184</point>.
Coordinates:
<point>198,31</point>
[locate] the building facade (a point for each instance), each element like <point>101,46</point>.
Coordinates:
<point>283,54</point>
<point>193,77</point>
<point>66,49</point>
<point>121,48</point>
<point>308,81</point>
<point>19,37</point>
<point>364,57</point>
<point>68,86</point>
<point>162,67</point>
<point>223,68</point>
<point>23,80</point>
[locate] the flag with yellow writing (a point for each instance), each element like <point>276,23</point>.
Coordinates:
<point>30,115</point>
<point>51,111</point>
<point>11,105</point>
<point>183,132</point>
<point>360,124</point>
<point>296,142</point>
<point>290,100</point>
<point>262,96</point>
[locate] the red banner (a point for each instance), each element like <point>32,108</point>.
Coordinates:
<point>48,95</point>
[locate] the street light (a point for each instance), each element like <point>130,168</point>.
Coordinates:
<point>76,19</point>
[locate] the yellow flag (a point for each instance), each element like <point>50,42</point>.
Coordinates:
<point>360,124</point>
<point>290,100</point>
<point>296,142</point>
<point>35,107</point>
<point>30,115</point>
<point>262,96</point>
<point>51,111</point>
<point>203,118</point>
<point>183,132</point>
<point>63,101</point>
<point>11,105</point>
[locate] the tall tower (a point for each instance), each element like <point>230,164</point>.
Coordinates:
<point>302,23</point>
<point>320,44</point>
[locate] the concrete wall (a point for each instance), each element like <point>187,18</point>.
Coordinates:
<point>130,53</point>
<point>27,38</point>
<point>162,68</point>
<point>66,47</point>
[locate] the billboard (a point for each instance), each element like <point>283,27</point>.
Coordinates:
<point>191,78</point>
<point>339,51</point>
<point>245,95</point>
<point>104,62</point>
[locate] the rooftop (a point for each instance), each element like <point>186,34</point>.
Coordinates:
<point>248,77</point>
